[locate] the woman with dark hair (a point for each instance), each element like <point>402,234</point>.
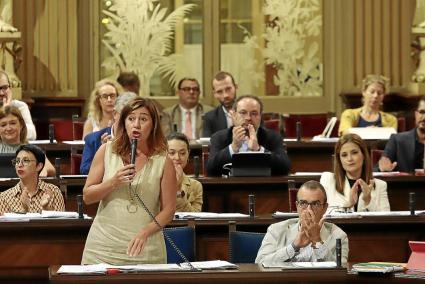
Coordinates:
<point>189,195</point>
<point>13,133</point>
<point>352,185</point>
<point>136,200</point>
<point>31,194</point>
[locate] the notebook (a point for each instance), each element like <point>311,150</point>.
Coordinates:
<point>251,164</point>
<point>7,170</point>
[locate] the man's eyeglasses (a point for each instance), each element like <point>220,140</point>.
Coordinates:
<point>421,111</point>
<point>111,96</point>
<point>4,88</point>
<point>304,204</point>
<point>188,89</point>
<point>24,162</point>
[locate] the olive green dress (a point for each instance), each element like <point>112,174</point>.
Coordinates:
<point>116,223</point>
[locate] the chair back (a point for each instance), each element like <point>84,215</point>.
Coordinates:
<point>292,196</point>
<point>62,129</point>
<point>273,121</point>
<point>375,155</point>
<point>401,124</point>
<point>184,239</point>
<point>244,246</point>
<point>77,128</point>
<point>75,163</point>
<point>312,124</point>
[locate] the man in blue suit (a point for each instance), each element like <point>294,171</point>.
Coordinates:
<point>404,151</point>
<point>95,139</point>
<point>224,89</point>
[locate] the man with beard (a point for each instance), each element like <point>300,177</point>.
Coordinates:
<point>404,151</point>
<point>224,89</point>
<point>247,135</point>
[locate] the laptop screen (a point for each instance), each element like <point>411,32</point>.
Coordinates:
<point>7,170</point>
<point>251,164</point>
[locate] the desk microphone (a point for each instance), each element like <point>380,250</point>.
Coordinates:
<point>133,151</point>
<point>412,203</point>
<point>299,130</point>
<point>338,253</point>
<point>58,167</point>
<point>80,207</point>
<point>196,166</point>
<point>51,133</point>
<point>251,205</point>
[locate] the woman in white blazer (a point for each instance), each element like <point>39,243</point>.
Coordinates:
<point>352,185</point>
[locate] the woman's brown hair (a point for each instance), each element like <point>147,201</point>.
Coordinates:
<point>339,171</point>
<point>11,110</point>
<point>156,140</point>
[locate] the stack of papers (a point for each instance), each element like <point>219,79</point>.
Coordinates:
<point>44,214</point>
<point>212,264</point>
<point>209,215</point>
<point>381,267</point>
<point>74,142</point>
<point>279,214</point>
<point>301,265</point>
<point>103,268</point>
<point>371,213</point>
<point>42,141</point>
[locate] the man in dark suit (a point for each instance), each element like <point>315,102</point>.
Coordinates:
<point>94,140</point>
<point>247,135</point>
<point>224,89</point>
<point>404,151</point>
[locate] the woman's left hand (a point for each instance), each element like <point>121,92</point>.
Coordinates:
<point>136,245</point>
<point>366,189</point>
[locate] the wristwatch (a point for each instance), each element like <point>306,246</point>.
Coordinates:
<point>296,249</point>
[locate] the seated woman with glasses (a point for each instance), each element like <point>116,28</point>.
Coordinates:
<point>31,194</point>
<point>7,100</point>
<point>374,88</point>
<point>189,195</point>
<point>352,187</point>
<point>101,106</point>
<point>13,133</point>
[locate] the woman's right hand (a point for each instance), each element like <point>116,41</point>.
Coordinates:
<point>124,176</point>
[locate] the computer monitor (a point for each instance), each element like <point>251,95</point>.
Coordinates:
<point>7,170</point>
<point>251,164</point>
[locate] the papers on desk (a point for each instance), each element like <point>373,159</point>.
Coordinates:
<point>204,140</point>
<point>208,215</point>
<point>72,176</point>
<point>301,265</point>
<point>325,139</point>
<point>308,173</point>
<point>211,264</point>
<point>369,214</point>
<point>103,268</point>
<point>42,141</point>
<point>381,267</point>
<point>74,142</point>
<point>43,215</point>
<point>279,214</point>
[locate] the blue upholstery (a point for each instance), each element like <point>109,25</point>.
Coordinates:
<point>244,246</point>
<point>184,239</point>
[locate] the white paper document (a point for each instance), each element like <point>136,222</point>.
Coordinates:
<point>209,215</point>
<point>369,214</point>
<point>42,141</point>
<point>308,173</point>
<point>301,265</point>
<point>43,215</point>
<point>285,214</point>
<point>212,264</point>
<point>74,142</point>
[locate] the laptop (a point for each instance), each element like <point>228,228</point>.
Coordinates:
<point>251,164</point>
<point>7,170</point>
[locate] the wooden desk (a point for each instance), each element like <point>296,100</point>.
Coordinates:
<point>247,273</point>
<point>271,193</point>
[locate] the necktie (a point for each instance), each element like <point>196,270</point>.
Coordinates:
<point>188,125</point>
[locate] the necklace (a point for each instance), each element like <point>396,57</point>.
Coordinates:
<point>132,192</point>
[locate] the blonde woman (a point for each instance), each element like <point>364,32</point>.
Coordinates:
<point>101,106</point>
<point>374,88</point>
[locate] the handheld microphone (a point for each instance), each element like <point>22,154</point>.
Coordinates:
<point>58,167</point>
<point>338,253</point>
<point>251,205</point>
<point>299,130</point>
<point>133,151</point>
<point>51,133</point>
<point>80,206</point>
<point>196,166</point>
<point>412,203</point>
